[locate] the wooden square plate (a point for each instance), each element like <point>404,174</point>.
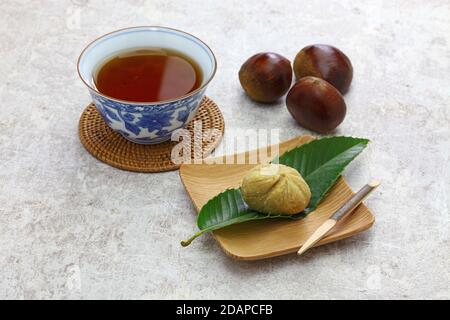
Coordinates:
<point>269,238</point>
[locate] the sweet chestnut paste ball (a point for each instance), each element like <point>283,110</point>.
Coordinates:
<point>275,189</point>
<point>266,76</point>
<point>316,105</point>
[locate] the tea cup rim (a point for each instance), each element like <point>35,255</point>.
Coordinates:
<point>152,102</point>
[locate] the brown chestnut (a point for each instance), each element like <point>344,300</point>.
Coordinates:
<point>266,76</point>
<point>316,105</point>
<point>325,62</point>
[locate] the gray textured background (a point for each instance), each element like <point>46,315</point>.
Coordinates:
<point>72,227</point>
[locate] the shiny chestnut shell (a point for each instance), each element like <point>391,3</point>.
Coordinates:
<point>316,105</point>
<point>266,76</point>
<point>325,62</point>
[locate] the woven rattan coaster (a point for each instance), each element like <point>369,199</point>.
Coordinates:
<point>110,147</point>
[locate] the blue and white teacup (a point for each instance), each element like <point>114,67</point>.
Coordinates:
<point>141,122</point>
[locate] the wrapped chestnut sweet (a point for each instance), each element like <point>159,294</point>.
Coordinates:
<point>275,189</point>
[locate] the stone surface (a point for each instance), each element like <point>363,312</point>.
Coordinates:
<point>72,227</point>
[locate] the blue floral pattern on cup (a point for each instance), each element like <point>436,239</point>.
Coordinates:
<point>147,123</point>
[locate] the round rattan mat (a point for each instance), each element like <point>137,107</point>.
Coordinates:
<point>110,147</point>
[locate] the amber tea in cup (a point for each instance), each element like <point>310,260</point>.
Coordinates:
<point>148,75</point>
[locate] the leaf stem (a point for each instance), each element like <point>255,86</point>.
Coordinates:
<point>187,242</point>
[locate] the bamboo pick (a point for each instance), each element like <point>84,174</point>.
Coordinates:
<point>343,211</point>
